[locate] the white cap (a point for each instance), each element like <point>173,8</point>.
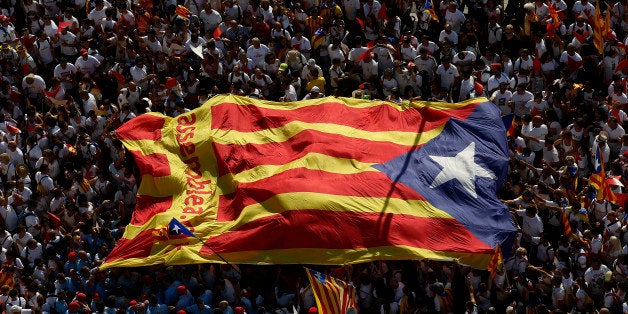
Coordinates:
<point>315,89</point>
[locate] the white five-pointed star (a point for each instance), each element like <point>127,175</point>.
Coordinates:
<point>175,229</point>
<point>461,167</point>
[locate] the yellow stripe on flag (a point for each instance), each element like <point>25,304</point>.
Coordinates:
<point>355,103</point>
<point>323,256</point>
<point>313,161</point>
<point>598,29</point>
<point>289,130</point>
<point>299,200</point>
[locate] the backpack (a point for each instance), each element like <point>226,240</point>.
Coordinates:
<point>230,78</point>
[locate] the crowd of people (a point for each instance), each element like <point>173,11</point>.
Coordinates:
<point>74,71</point>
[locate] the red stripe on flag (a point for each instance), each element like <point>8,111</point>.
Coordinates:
<point>148,206</point>
<point>566,224</point>
<point>233,158</point>
<point>144,127</point>
<point>156,165</point>
<point>327,300</point>
<point>249,118</point>
<point>319,290</point>
<point>377,184</point>
<point>138,247</point>
<point>331,295</point>
<point>7,278</point>
<point>596,180</point>
<point>336,293</point>
<point>347,230</point>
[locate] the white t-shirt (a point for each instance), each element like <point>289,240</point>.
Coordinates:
<point>45,49</point>
<point>520,101</point>
<point>501,100</point>
<point>533,226</point>
<point>257,54</point>
<point>535,132</point>
<point>88,66</point>
<point>447,76</point>
<point>65,74</point>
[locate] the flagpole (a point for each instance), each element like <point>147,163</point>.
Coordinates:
<point>176,227</point>
<point>216,253</point>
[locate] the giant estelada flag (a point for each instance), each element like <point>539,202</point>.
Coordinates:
<point>325,181</point>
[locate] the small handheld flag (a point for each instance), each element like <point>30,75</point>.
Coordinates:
<point>333,296</point>
<point>360,22</point>
<point>183,12</point>
<point>429,8</point>
<point>217,32</point>
<point>119,77</point>
<point>497,261</point>
<point>63,25</point>
<point>177,228</point>
<point>509,125</point>
<point>566,224</point>
<point>382,14</point>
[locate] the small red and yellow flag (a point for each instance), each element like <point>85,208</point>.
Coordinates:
<point>497,261</point>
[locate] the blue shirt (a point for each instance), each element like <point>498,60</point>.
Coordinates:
<point>193,309</point>
<point>185,300</point>
<point>157,309</point>
<point>170,295</point>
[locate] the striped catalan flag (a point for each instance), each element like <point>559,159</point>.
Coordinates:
<point>330,181</point>
<point>598,29</point>
<point>429,8</point>
<point>183,12</point>
<point>333,296</point>
<point>7,278</point>
<point>566,224</point>
<point>598,179</point>
<point>318,37</point>
<point>497,261</point>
